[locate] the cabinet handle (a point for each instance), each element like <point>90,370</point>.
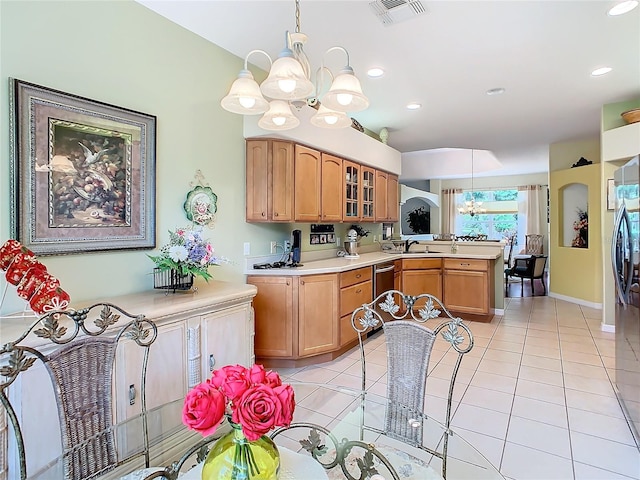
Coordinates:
<point>262,214</point>
<point>358,275</point>
<point>359,290</point>
<point>132,394</point>
<point>212,362</point>
<point>288,282</point>
<point>465,264</point>
<point>275,214</point>
<point>301,282</point>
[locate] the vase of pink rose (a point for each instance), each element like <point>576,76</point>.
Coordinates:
<point>253,401</point>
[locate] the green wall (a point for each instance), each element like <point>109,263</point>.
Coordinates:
<point>126,55</point>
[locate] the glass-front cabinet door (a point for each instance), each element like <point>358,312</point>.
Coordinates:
<point>352,179</point>
<point>368,190</point>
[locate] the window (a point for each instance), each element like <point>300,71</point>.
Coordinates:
<point>500,219</point>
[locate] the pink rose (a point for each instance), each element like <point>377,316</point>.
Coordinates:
<point>256,374</point>
<point>231,380</point>
<point>257,411</point>
<point>272,379</point>
<point>203,408</point>
<point>288,403</point>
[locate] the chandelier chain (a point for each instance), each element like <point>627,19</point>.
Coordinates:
<point>297,16</point>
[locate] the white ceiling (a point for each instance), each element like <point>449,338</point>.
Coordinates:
<point>542,52</point>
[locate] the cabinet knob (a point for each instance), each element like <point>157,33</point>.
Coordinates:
<point>359,290</point>
<point>358,275</point>
<point>132,394</point>
<point>212,362</point>
<point>301,282</point>
<point>262,214</point>
<point>275,214</point>
<point>288,282</point>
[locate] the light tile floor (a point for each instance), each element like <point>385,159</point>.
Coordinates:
<point>535,395</point>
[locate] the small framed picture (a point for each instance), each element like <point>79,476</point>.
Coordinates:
<point>323,238</point>
<point>611,194</point>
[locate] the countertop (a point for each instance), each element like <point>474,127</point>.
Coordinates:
<point>341,264</point>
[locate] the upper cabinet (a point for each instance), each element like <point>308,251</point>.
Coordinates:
<point>619,140</point>
<point>287,182</point>
<point>270,180</point>
<point>352,191</point>
<point>331,189</point>
<point>308,171</point>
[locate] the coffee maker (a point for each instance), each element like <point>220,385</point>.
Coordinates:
<point>296,245</point>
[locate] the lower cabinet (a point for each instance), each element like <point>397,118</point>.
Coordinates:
<point>295,317</point>
<point>467,285</point>
<point>356,289</point>
<point>422,275</point>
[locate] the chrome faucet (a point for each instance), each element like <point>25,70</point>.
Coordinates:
<point>407,244</point>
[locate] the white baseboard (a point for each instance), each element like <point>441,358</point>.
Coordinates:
<point>579,301</point>
<point>605,327</point>
<point>498,311</point>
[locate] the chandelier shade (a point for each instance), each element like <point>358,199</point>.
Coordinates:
<point>245,97</point>
<point>278,117</point>
<point>289,82</point>
<point>327,118</point>
<point>345,94</point>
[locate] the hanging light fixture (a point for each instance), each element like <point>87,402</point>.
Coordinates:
<point>289,83</point>
<point>471,207</point>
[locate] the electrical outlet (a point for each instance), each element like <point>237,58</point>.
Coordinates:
<point>287,245</point>
<point>247,248</point>
<point>375,238</point>
<point>273,246</point>
<point>338,242</point>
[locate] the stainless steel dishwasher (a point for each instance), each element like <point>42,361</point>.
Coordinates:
<point>382,278</point>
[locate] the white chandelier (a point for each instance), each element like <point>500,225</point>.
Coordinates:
<point>471,207</point>
<point>289,84</point>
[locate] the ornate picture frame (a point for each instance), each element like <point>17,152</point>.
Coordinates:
<point>82,173</point>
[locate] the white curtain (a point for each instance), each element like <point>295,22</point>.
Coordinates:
<point>448,209</point>
<point>530,202</point>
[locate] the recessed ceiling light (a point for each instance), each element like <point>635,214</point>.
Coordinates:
<point>375,72</point>
<point>600,71</point>
<point>414,106</point>
<point>495,91</point>
<point>623,7</point>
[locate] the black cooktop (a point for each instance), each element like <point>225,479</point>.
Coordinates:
<point>263,266</point>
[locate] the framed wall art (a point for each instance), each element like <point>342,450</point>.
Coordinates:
<point>82,173</point>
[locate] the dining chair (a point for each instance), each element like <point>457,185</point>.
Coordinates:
<point>79,356</point>
<point>509,246</point>
<point>531,268</point>
<point>409,345</point>
<point>533,244</point>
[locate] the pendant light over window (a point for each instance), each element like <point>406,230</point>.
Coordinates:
<point>289,80</point>
<point>471,207</point>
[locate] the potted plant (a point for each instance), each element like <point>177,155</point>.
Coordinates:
<point>419,220</point>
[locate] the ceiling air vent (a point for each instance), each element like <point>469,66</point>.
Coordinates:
<point>390,12</point>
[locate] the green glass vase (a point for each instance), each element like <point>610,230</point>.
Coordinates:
<point>233,457</point>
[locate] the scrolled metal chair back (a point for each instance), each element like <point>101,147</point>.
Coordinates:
<point>409,343</point>
<point>81,371</point>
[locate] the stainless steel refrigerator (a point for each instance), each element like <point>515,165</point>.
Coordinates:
<point>625,255</point>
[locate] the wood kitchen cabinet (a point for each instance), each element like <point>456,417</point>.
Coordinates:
<point>308,178</point>
<point>386,197</point>
<point>422,275</point>
<point>368,194</point>
<point>468,285</point>
<point>295,317</point>
<point>381,196</point>
<point>393,198</point>
<point>331,204</point>
<point>270,181</point>
<point>352,175</point>
<point>356,289</point>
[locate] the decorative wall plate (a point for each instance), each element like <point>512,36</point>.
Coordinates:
<point>200,205</point>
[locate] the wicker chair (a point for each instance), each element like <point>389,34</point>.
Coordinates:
<point>409,344</point>
<point>79,358</point>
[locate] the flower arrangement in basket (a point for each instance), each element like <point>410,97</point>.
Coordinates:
<point>186,254</point>
<point>581,228</point>
<point>254,402</point>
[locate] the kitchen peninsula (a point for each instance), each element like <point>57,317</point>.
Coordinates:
<point>303,314</point>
